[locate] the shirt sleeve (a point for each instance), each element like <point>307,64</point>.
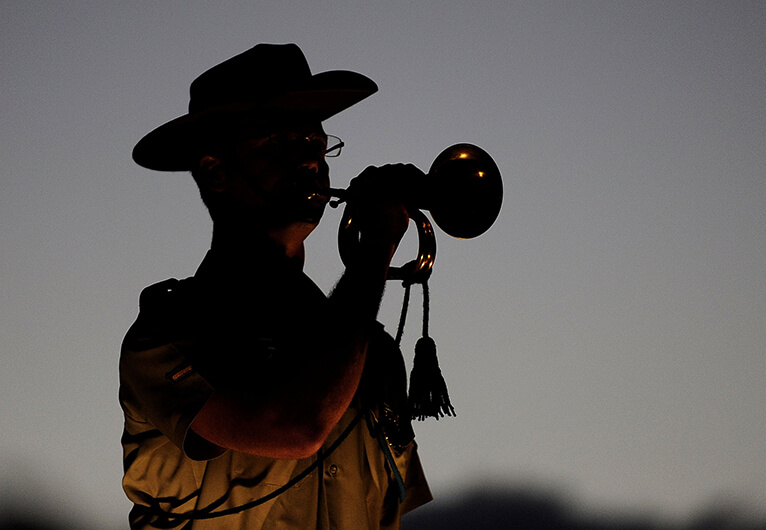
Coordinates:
<point>159,386</point>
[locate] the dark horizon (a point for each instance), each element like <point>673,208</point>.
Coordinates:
<point>492,507</point>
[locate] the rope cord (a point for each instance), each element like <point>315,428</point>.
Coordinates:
<point>392,465</point>
<point>426,308</point>
<point>403,315</point>
<point>205,513</point>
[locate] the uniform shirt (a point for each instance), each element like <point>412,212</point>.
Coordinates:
<point>170,470</point>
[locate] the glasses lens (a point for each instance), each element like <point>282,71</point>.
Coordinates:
<point>334,146</point>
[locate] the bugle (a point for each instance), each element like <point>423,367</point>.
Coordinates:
<point>463,191</point>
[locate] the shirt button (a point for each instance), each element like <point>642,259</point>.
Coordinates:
<point>332,470</point>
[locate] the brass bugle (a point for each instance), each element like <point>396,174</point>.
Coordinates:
<point>463,191</point>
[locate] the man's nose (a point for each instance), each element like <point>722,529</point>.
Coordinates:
<point>314,164</point>
<point>311,163</point>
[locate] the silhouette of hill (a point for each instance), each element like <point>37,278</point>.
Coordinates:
<point>488,508</point>
<point>499,508</point>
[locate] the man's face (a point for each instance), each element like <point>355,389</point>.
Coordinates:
<point>276,174</point>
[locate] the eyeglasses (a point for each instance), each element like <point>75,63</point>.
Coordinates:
<point>279,145</point>
<point>334,146</point>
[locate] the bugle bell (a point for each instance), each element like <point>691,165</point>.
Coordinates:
<point>463,191</point>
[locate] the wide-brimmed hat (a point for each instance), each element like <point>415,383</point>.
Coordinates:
<point>267,81</point>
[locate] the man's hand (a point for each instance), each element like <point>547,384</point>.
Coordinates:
<point>379,198</point>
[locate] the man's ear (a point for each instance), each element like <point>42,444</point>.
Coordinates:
<point>212,169</point>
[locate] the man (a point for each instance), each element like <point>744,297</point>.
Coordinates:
<point>251,399</point>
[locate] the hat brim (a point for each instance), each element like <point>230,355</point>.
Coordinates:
<point>178,144</point>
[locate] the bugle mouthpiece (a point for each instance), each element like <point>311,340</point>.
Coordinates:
<point>336,196</point>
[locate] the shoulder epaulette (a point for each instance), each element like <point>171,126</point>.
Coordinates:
<point>164,309</point>
<point>165,294</point>
<point>157,294</point>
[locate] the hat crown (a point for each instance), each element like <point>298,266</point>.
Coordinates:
<point>263,72</point>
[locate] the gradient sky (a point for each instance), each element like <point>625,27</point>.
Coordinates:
<point>606,337</point>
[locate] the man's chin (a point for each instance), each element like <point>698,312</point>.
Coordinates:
<point>303,217</point>
<point>313,219</point>
<point>309,212</point>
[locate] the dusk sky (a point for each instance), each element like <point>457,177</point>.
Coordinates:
<point>605,338</point>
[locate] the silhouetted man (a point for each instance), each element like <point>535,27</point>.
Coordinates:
<point>251,399</point>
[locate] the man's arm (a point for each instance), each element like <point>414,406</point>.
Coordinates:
<point>296,415</point>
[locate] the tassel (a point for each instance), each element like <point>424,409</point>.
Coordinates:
<point>428,394</point>
<point>428,391</point>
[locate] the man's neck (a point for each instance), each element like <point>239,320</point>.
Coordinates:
<point>285,242</point>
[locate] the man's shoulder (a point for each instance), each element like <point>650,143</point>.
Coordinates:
<point>165,294</point>
<point>163,307</point>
